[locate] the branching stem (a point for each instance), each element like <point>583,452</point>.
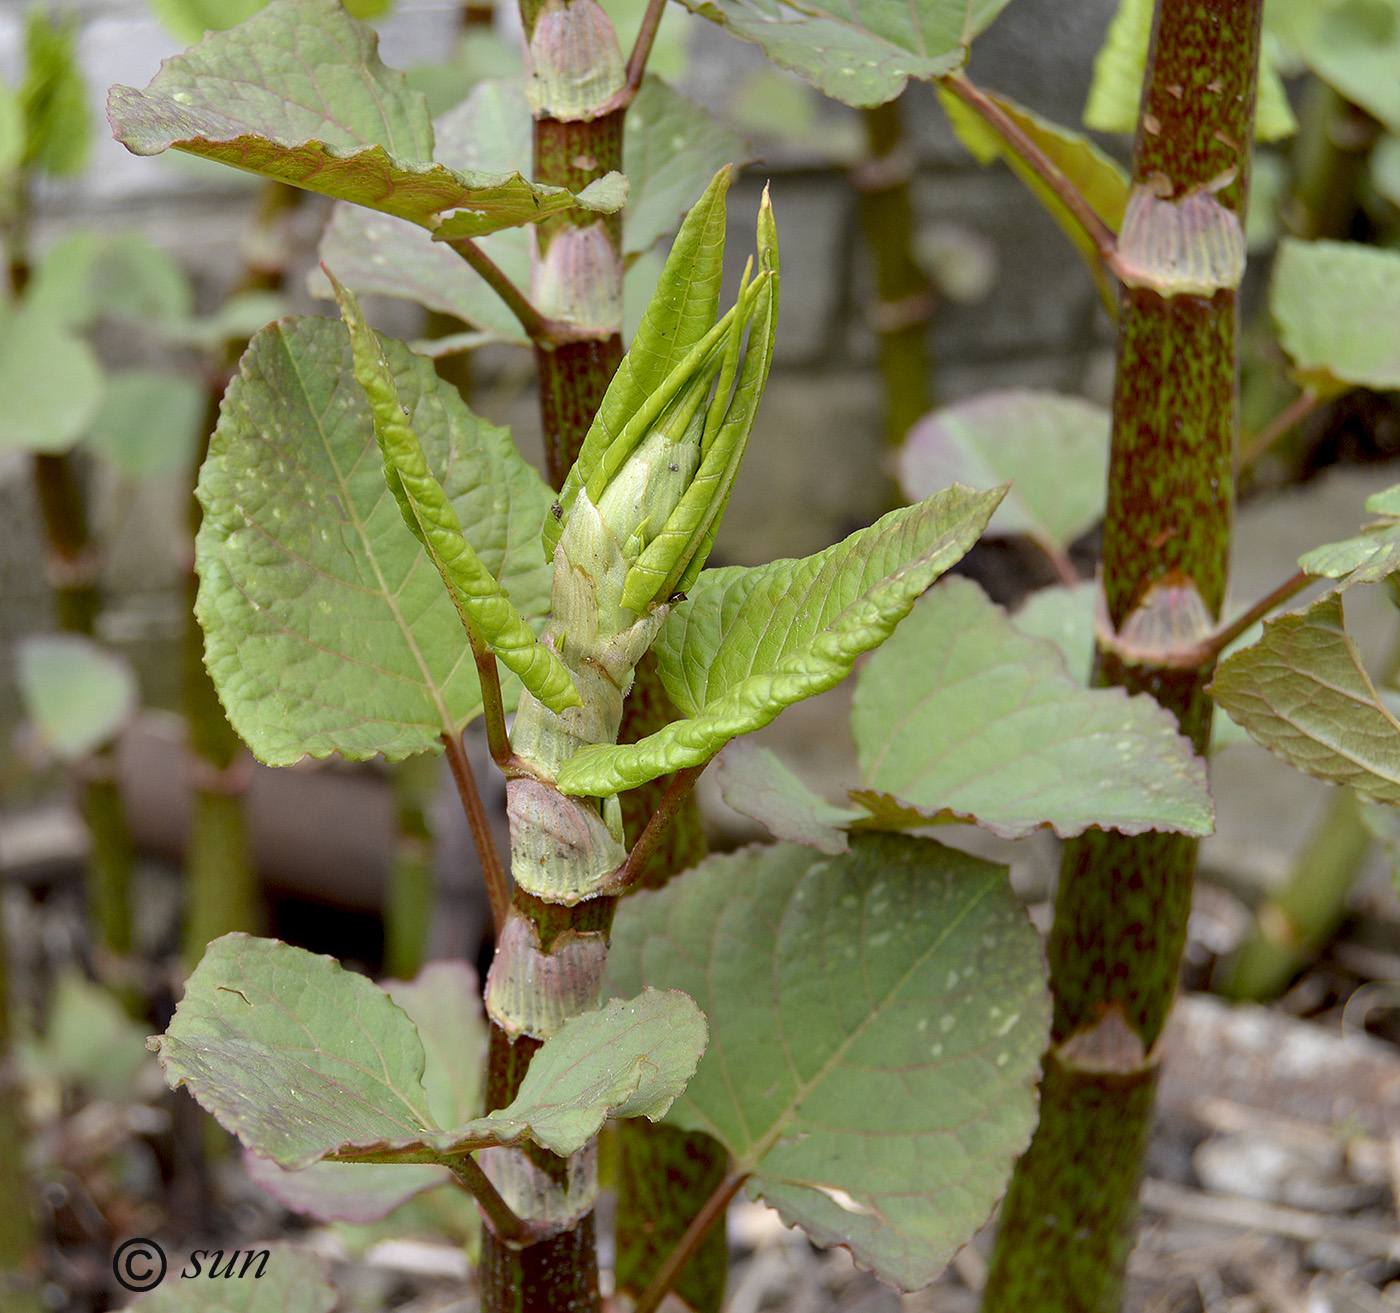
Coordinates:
<point>497,885</point>
<point>676,793</point>
<point>1295,412</point>
<point>641,52</point>
<point>539,329</point>
<point>1098,232</point>
<point>699,1227</point>
<point>512,1229</point>
<point>1214,645</point>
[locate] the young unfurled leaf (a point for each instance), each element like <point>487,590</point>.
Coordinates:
<point>861,53</point>
<point>750,642</point>
<point>961,716</point>
<point>78,693</point>
<point>298,93</point>
<point>326,629</point>
<point>1099,178</point>
<point>674,325</point>
<point>903,961</point>
<point>1337,308</point>
<point>480,600</point>
<point>1303,693</point>
<point>303,1060</point>
<point>1052,449</point>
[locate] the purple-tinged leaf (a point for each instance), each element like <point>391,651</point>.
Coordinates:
<point>758,785</point>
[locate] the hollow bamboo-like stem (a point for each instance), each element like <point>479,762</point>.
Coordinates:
<point>904,300</point>
<point>1122,902</point>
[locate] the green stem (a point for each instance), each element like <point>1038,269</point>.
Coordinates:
<point>18,1232</point>
<point>408,903</point>
<point>1045,168</point>
<point>1122,902</point>
<point>904,304</point>
<point>110,861</point>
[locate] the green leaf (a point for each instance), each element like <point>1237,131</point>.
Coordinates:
<point>483,605</point>
<point>750,642</point>
<point>53,97</point>
<point>50,380</point>
<point>675,323</point>
<point>11,133</point>
<point>360,1193</point>
<point>1303,693</point>
<point>292,1281</point>
<point>302,1059</point>
<point>1373,555</point>
<point>1337,309</point>
<point>298,93</point>
<point>188,20</point>
<point>1099,178</point>
<point>1352,45</point>
<point>444,1002</point>
<point>78,693</point>
<point>294,1054</point>
<point>671,151</point>
<point>960,716</point>
<point>326,630</point>
<point>904,968</point>
<point>1115,95</point>
<point>384,256</point>
<point>861,54</point>
<point>756,784</point>
<point>150,422</point>
<point>1065,616</point>
<point>88,1042</point>
<point>1053,450</point>
<point>631,1058</point>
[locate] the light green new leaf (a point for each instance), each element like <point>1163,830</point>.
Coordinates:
<point>50,380</point>
<point>1352,45</point>
<point>1115,96</point>
<point>53,97</point>
<point>670,154</point>
<point>298,93</point>
<point>293,1280</point>
<point>1373,555</point>
<point>1337,309</point>
<point>1303,693</point>
<point>481,602</point>
<point>960,716</point>
<point>381,255</point>
<point>294,1054</point>
<point>1099,178</point>
<point>78,693</point>
<point>750,642</point>
<point>759,785</point>
<point>675,324</point>
<point>150,423</point>
<point>326,628</point>
<point>190,19</point>
<point>1053,450</point>
<point>861,53</point>
<point>876,1028</point>
<point>89,1043</point>
<point>1064,616</point>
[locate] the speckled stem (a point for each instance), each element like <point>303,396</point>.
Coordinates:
<point>1122,902</point>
